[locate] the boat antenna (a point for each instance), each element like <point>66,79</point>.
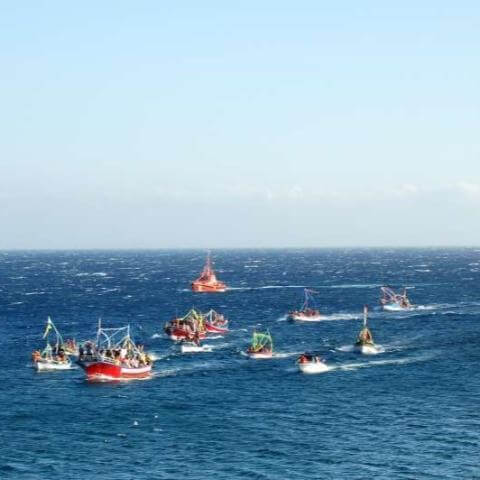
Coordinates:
<point>99,328</point>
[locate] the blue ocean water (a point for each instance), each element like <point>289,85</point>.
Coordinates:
<point>410,412</point>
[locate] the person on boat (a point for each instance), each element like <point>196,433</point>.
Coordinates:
<point>36,356</point>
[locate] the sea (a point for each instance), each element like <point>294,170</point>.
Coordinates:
<point>409,412</point>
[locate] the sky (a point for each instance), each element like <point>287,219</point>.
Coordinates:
<point>213,124</point>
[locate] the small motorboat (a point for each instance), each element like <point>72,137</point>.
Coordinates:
<point>307,313</point>
<point>261,347</point>
<point>207,281</point>
<point>215,322</point>
<point>395,302</point>
<point>364,343</point>
<point>52,357</point>
<point>192,347</point>
<point>48,362</point>
<point>308,363</point>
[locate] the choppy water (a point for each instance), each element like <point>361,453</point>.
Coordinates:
<point>410,412</point>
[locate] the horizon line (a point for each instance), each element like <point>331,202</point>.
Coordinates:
<point>349,247</point>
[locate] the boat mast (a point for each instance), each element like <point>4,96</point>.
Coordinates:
<point>305,303</point>
<point>365,312</point>
<point>99,330</point>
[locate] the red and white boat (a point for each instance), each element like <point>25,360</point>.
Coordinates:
<point>189,327</point>
<point>215,322</point>
<point>114,356</point>
<point>307,313</point>
<point>207,281</point>
<point>107,369</point>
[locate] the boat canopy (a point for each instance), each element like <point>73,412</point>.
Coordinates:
<point>113,338</point>
<point>262,340</point>
<point>309,301</point>
<point>211,316</point>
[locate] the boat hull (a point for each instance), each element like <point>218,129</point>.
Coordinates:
<point>395,307</point>
<point>209,288</point>
<point>260,356</point>
<point>46,365</point>
<point>214,329</point>
<point>366,349</point>
<point>306,318</point>
<point>192,348</point>
<point>177,334</point>
<point>110,371</point>
<point>312,367</point>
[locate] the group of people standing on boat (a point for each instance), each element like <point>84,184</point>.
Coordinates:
<point>123,355</point>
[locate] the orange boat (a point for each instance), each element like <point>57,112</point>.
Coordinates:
<point>207,281</point>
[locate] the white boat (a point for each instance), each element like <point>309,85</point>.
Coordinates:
<point>52,358</point>
<point>396,307</point>
<point>44,365</point>
<point>307,313</point>
<point>305,317</point>
<point>395,302</point>
<point>191,347</point>
<point>260,355</point>
<point>364,343</point>
<point>311,364</point>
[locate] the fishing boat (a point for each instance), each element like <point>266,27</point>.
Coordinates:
<point>308,311</point>
<point>192,347</point>
<point>364,343</point>
<point>207,281</point>
<point>308,363</point>
<point>51,357</point>
<point>262,346</point>
<point>114,356</point>
<point>394,302</point>
<point>189,327</point>
<point>215,322</point>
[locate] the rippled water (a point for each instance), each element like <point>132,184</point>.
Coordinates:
<point>410,412</point>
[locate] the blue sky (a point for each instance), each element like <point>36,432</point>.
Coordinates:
<point>209,124</point>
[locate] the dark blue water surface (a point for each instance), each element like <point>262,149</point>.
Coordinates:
<point>410,412</point>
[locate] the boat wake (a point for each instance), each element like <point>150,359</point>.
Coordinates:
<point>341,316</point>
<point>352,285</point>
<point>345,348</point>
<point>265,287</point>
<point>376,363</point>
<point>285,354</point>
<point>351,348</point>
